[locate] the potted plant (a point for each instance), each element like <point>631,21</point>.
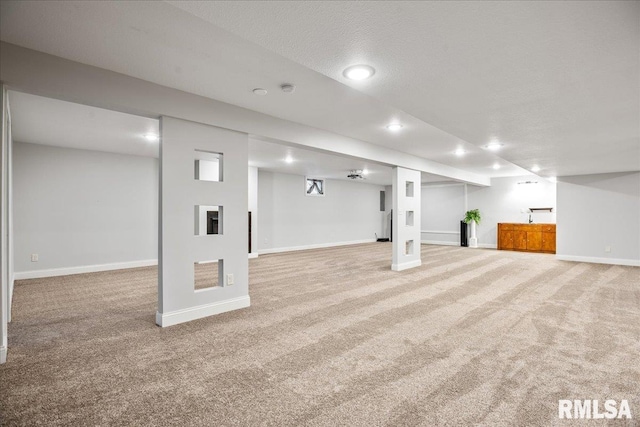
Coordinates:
<point>472,218</point>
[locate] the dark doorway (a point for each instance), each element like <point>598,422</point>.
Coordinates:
<point>249,232</point>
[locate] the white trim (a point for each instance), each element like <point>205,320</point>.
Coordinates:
<point>406,265</point>
<point>440,232</point>
<point>440,242</point>
<point>3,355</point>
<point>488,245</point>
<point>442,184</point>
<point>444,243</point>
<point>253,255</point>
<point>37,274</point>
<point>597,260</point>
<point>193,313</point>
<point>318,246</point>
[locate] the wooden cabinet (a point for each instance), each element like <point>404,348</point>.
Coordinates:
<point>505,236</point>
<point>527,237</point>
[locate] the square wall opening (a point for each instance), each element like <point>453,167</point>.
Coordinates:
<point>208,166</point>
<point>208,274</point>
<point>409,188</point>
<point>408,247</point>
<point>409,219</point>
<point>208,220</point>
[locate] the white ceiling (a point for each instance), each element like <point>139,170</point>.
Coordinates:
<point>45,121</point>
<point>271,157</point>
<point>556,82</point>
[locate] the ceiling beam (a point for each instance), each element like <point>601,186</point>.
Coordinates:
<point>47,75</point>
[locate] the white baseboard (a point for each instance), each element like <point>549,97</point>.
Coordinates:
<point>3,355</point>
<point>192,313</point>
<point>488,245</point>
<point>253,255</point>
<point>37,274</point>
<point>439,243</point>
<point>406,265</point>
<point>597,260</point>
<point>445,243</point>
<point>318,246</point>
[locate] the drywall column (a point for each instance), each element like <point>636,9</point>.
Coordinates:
<point>253,208</point>
<point>406,219</point>
<point>388,208</point>
<point>10,207</point>
<point>4,210</point>
<point>181,194</point>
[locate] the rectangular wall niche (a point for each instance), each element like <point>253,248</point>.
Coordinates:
<point>408,247</point>
<point>208,274</point>
<point>409,186</point>
<point>409,219</point>
<point>208,166</point>
<point>208,220</point>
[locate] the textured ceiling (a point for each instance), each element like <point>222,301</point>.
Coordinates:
<point>556,82</point>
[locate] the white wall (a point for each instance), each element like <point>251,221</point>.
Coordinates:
<point>5,207</point>
<point>388,207</point>
<point>506,200</point>
<point>289,219</point>
<point>253,208</point>
<point>82,208</point>
<point>596,211</point>
<point>443,206</point>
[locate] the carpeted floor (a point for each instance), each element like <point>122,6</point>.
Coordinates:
<point>333,338</point>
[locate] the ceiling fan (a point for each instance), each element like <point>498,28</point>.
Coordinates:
<point>356,174</point>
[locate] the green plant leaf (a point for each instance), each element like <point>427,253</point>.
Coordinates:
<point>472,215</point>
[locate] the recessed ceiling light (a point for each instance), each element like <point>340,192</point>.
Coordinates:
<point>460,152</point>
<point>365,172</point>
<point>288,159</point>
<point>259,91</point>
<point>394,127</point>
<point>359,72</point>
<point>553,179</point>
<point>152,137</point>
<point>496,166</point>
<point>493,146</point>
<point>535,168</point>
<point>287,88</point>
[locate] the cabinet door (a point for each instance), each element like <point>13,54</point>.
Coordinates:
<point>549,242</point>
<point>520,240</point>
<point>534,240</point>
<point>505,240</point>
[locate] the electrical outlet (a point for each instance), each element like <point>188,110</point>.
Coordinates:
<point>34,257</point>
<point>229,279</point>
<point>607,249</point>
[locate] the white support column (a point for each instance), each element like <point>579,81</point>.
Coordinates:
<point>4,211</point>
<point>406,219</point>
<point>179,246</point>
<point>253,208</point>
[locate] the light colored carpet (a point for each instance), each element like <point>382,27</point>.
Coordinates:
<point>333,338</point>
